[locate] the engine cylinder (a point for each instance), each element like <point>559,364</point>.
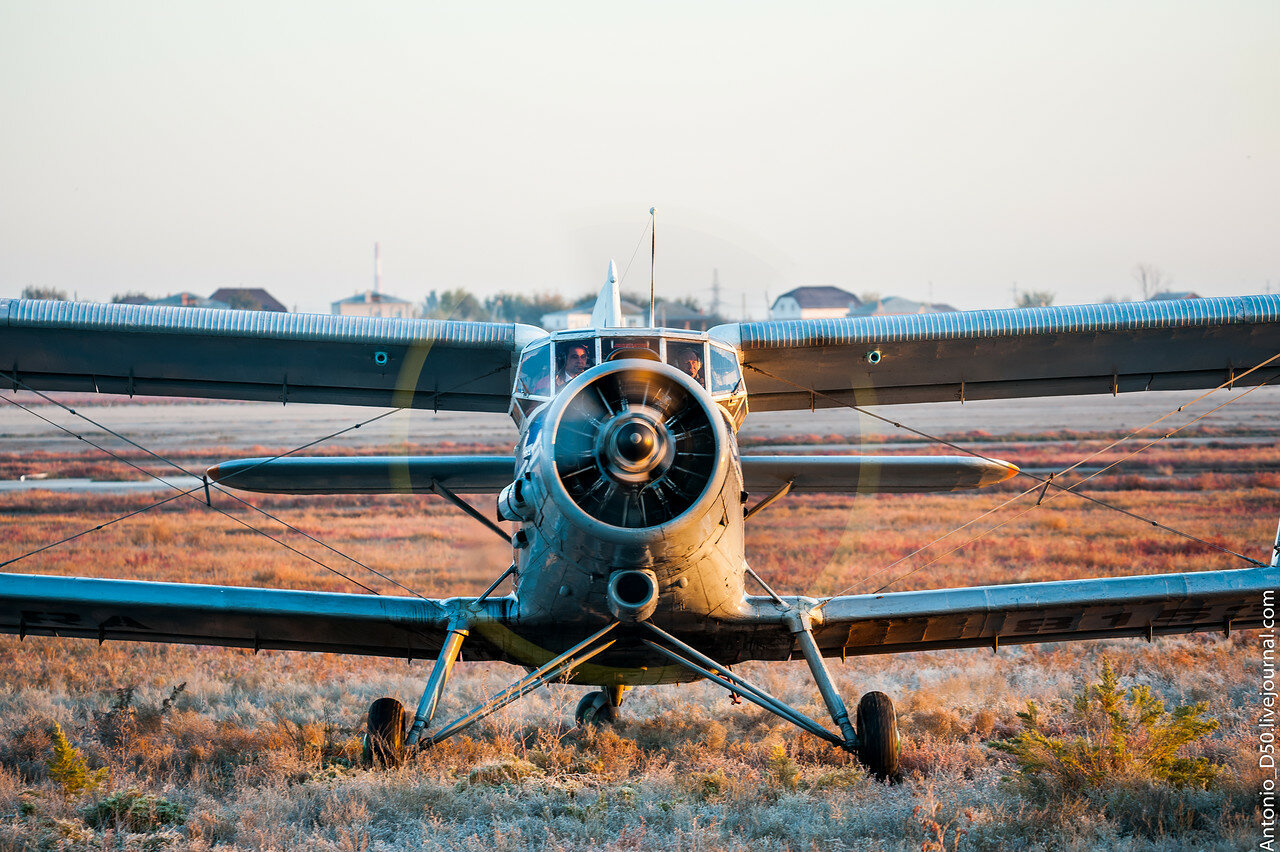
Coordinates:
<point>514,503</point>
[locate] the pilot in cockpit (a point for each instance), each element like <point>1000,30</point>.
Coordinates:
<point>571,361</point>
<point>689,359</point>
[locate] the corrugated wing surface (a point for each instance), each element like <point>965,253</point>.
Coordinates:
<point>1112,348</point>
<point>172,351</point>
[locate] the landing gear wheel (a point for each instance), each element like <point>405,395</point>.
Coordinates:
<point>384,734</point>
<point>878,742</point>
<point>595,708</point>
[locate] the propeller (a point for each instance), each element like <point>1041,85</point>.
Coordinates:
<point>634,446</point>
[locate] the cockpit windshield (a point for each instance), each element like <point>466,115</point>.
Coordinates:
<point>548,366</point>
<point>645,348</point>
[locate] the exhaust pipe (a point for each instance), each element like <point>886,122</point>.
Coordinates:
<point>633,595</point>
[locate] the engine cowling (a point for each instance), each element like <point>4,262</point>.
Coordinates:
<point>633,445</point>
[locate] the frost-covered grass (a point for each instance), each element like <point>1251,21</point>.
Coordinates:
<point>261,751</point>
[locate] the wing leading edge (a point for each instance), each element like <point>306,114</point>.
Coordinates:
<point>490,474</point>
<point>414,628</point>
<point>255,355</point>
<point>1028,352</point>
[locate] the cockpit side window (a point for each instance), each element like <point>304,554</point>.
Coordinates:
<point>725,375</point>
<point>534,376</point>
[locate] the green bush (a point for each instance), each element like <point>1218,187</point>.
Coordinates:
<point>135,811</point>
<point>783,769</point>
<point>1118,740</point>
<point>68,768</point>
<point>708,786</point>
<point>509,770</point>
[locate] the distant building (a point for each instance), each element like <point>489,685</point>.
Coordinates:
<point>248,299</point>
<point>579,316</point>
<point>371,303</point>
<point>189,300</point>
<point>1171,295</point>
<point>895,305</point>
<point>676,315</point>
<point>813,303</point>
<point>574,317</point>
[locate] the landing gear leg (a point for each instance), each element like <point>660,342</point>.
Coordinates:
<point>802,628</point>
<point>384,734</point>
<point>436,683</point>
<point>875,741</point>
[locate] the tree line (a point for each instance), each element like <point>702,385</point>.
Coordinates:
<point>457,303</point>
<point>461,304</point>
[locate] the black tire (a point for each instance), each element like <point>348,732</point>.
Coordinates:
<point>878,742</point>
<point>595,709</point>
<point>384,734</point>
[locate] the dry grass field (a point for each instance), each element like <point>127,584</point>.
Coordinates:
<point>203,748</point>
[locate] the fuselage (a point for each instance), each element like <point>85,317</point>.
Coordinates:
<point>628,490</point>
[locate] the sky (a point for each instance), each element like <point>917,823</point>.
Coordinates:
<point>946,152</point>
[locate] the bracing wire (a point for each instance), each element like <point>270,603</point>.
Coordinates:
<point>191,492</point>
<point>1042,482</point>
<point>635,250</point>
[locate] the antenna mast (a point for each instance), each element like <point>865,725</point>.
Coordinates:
<point>653,254</point>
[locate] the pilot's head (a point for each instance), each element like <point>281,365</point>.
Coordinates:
<point>577,359</point>
<point>690,361</point>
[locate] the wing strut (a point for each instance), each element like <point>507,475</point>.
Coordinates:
<point>770,500</point>
<point>469,509</point>
<point>560,665</point>
<point>708,668</point>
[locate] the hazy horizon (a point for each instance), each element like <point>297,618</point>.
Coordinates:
<point>930,151</point>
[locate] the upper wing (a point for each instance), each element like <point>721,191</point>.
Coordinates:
<point>1167,345</point>
<point>169,351</point>
<point>990,616</point>
<point>233,616</point>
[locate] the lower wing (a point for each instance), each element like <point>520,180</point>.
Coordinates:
<point>236,616</point>
<point>990,616</point>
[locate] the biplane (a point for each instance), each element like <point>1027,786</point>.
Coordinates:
<point>627,492</point>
